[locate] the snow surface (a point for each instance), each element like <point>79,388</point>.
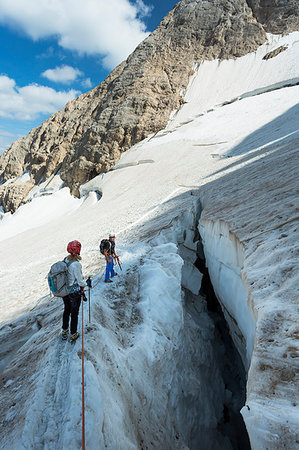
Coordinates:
<point>140,348</point>
<point>217,82</point>
<point>24,177</point>
<point>21,179</point>
<point>41,210</point>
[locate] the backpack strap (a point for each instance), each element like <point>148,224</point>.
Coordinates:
<point>109,245</point>
<point>67,262</point>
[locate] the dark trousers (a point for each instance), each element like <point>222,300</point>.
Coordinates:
<point>71,308</point>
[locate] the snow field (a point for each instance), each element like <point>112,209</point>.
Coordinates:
<point>40,211</point>
<point>21,179</point>
<point>219,82</point>
<point>258,133</point>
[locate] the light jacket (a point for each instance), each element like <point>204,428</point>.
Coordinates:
<point>75,278</point>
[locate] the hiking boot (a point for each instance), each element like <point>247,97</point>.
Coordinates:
<point>74,336</point>
<point>64,334</point>
<point>108,281</point>
<point>115,274</point>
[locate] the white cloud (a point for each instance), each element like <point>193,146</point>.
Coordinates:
<point>62,74</point>
<point>111,28</point>
<point>29,102</point>
<point>143,9</point>
<point>87,83</point>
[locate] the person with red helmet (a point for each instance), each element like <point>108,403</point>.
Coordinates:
<point>76,285</point>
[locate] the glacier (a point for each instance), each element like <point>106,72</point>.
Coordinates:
<point>222,184</point>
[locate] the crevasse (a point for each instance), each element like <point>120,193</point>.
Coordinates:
<point>224,258</point>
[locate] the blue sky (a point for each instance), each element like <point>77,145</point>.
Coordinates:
<point>54,50</point>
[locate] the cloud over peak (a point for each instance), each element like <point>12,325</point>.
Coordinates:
<point>62,74</point>
<point>111,29</point>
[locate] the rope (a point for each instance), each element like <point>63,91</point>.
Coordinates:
<point>83,399</point>
<point>92,287</point>
<point>98,281</point>
<point>82,359</point>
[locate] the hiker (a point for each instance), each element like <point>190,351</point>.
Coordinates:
<point>76,285</point>
<point>111,257</point>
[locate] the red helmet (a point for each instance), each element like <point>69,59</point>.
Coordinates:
<point>74,247</point>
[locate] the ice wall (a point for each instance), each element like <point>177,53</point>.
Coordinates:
<point>162,382</point>
<point>224,259</point>
<point>204,427</point>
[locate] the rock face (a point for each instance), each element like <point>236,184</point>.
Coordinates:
<point>276,16</point>
<point>88,136</point>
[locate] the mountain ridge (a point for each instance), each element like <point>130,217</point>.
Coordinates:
<point>89,134</point>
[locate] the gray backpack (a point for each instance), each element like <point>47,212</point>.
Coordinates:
<point>58,278</point>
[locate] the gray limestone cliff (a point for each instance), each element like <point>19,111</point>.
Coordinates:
<point>88,136</point>
<point>276,16</point>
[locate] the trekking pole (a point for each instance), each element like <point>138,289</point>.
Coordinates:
<point>83,400</point>
<point>88,282</point>
<point>119,265</point>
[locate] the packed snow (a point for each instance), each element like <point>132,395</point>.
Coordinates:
<point>41,210</point>
<point>220,82</point>
<point>152,369</point>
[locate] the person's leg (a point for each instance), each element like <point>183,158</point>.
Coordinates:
<point>75,305</point>
<point>112,268</point>
<point>66,312</point>
<point>108,270</point>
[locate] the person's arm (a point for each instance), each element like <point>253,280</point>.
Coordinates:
<point>115,256</point>
<point>78,274</point>
<point>80,281</point>
<point>107,256</point>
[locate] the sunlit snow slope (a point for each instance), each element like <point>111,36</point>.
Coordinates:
<point>234,146</point>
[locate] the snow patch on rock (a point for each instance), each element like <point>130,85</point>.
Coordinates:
<point>39,211</point>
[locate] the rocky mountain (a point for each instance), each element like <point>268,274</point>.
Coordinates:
<point>276,16</point>
<point>88,136</point>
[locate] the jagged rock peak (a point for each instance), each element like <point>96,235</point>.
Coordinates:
<point>88,136</point>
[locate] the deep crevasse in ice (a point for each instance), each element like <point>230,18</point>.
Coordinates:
<point>225,257</point>
<point>170,390</point>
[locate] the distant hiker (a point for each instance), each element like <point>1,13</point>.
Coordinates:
<point>76,285</point>
<point>107,248</point>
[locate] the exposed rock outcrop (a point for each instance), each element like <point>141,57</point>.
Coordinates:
<point>276,16</point>
<point>275,52</point>
<point>88,136</point>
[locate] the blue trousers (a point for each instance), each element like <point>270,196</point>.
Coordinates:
<point>109,269</point>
